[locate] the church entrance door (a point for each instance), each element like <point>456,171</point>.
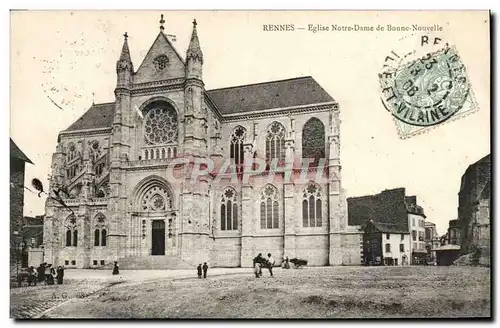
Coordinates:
<point>158,237</point>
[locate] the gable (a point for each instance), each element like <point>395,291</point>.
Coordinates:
<point>148,72</point>
<point>298,91</point>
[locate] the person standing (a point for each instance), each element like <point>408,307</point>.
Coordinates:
<point>60,275</point>
<point>205,269</point>
<point>116,269</point>
<point>199,271</point>
<point>270,263</point>
<point>41,272</point>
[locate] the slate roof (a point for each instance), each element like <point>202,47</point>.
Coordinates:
<point>97,116</point>
<point>389,228</point>
<point>268,95</point>
<point>16,152</point>
<point>389,207</point>
<point>233,100</point>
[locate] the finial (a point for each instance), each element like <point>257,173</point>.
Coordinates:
<point>194,22</point>
<point>93,95</point>
<point>126,36</point>
<point>162,21</point>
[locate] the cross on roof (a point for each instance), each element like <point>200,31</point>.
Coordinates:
<point>194,22</point>
<point>162,21</point>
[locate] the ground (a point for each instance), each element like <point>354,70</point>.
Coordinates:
<point>323,292</point>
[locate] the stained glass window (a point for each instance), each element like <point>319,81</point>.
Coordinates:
<point>160,126</point>
<point>275,142</point>
<point>313,139</point>
<point>229,210</point>
<point>236,148</point>
<point>312,210</point>
<point>269,208</point>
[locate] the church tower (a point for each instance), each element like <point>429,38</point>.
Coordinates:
<point>120,149</point>
<point>195,117</point>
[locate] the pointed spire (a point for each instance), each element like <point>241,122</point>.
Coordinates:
<point>125,55</point>
<point>125,62</point>
<point>194,49</point>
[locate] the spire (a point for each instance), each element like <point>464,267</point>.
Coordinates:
<point>125,62</point>
<point>194,49</point>
<point>125,55</point>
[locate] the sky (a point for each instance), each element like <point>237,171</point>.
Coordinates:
<point>63,61</point>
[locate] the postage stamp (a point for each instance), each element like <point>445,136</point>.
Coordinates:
<point>424,92</point>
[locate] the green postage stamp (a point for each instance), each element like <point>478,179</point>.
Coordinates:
<point>427,91</point>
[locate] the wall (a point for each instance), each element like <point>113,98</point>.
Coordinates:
<point>417,223</point>
<point>395,241</point>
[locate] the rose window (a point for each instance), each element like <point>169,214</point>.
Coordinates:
<point>156,199</point>
<point>160,126</point>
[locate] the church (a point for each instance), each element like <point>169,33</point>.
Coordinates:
<point>110,169</point>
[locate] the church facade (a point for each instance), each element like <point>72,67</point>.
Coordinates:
<point>111,170</point>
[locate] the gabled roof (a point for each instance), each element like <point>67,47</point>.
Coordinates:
<point>161,36</point>
<point>16,152</point>
<point>268,95</point>
<point>97,116</point>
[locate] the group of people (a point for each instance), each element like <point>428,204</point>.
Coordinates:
<point>204,268</point>
<point>45,273</point>
<point>259,261</point>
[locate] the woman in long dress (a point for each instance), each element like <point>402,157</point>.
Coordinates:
<point>115,268</point>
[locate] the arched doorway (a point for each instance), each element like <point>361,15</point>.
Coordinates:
<point>153,221</point>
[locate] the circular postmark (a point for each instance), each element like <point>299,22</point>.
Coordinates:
<point>424,88</point>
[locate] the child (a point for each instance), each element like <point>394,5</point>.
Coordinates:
<point>199,271</point>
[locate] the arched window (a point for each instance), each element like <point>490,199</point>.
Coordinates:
<point>269,208</point>
<point>103,237</point>
<point>229,210</point>
<point>313,139</point>
<point>146,154</point>
<point>97,235</point>
<point>236,147</point>
<point>68,237</point>
<point>312,206</point>
<point>275,142</point>
<point>95,150</point>
<point>75,237</point>
<point>100,230</point>
<point>71,152</point>
<point>163,153</point>
<point>70,226</point>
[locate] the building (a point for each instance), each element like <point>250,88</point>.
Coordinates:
<point>473,205</point>
<point>385,244</point>
<point>32,236</point>
<point>432,240</point>
<point>454,232</point>
<point>392,206</point>
<point>112,166</point>
<point>18,162</point>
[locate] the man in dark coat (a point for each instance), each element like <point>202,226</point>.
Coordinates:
<point>41,272</point>
<point>60,275</point>
<point>199,270</point>
<point>205,269</point>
